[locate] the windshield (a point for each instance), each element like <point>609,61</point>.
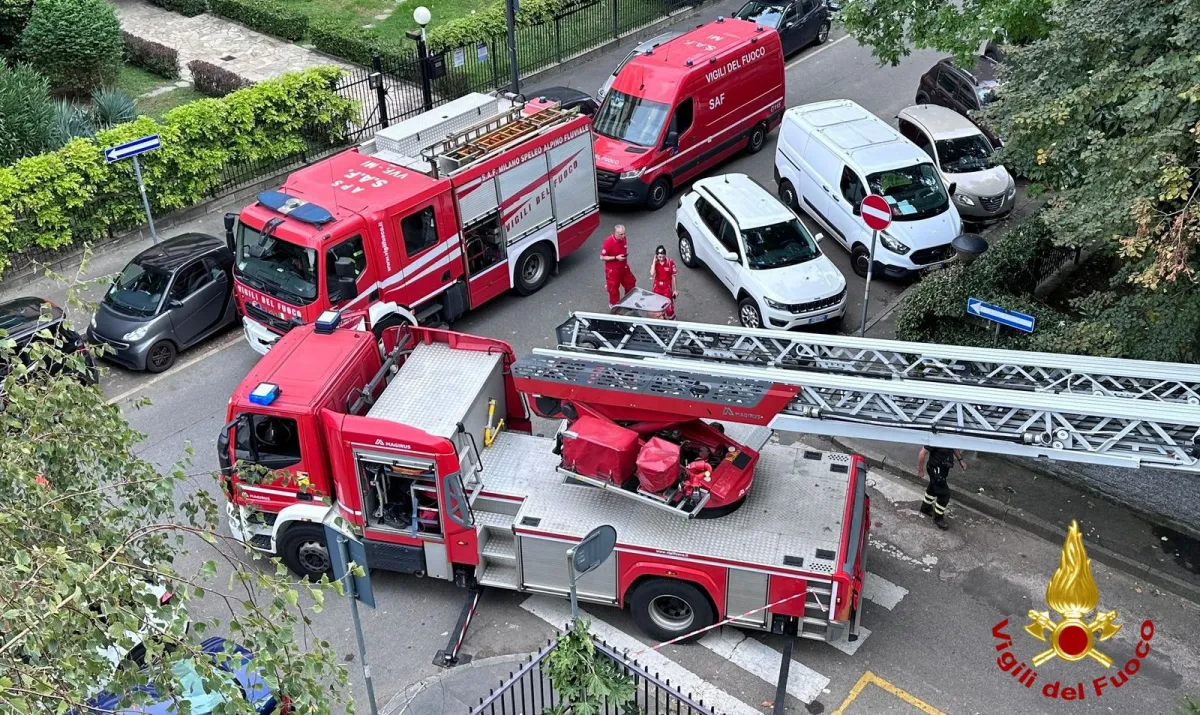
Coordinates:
<point>138,290</point>
<point>274,266</point>
<point>762,12</point>
<point>779,245</point>
<point>631,119</point>
<point>964,154</point>
<point>986,91</point>
<point>915,192</point>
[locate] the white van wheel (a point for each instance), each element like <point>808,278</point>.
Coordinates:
<point>860,259</point>
<point>787,194</point>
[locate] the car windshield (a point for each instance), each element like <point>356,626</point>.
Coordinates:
<point>986,91</point>
<point>18,314</point>
<point>963,155</point>
<point>764,13</point>
<point>138,290</point>
<point>631,119</point>
<point>275,267</point>
<point>915,192</point>
<point>779,245</point>
<point>191,687</point>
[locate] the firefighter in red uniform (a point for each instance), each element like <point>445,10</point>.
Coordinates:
<point>617,276</point>
<point>662,271</point>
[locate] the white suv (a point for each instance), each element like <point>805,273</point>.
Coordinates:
<point>761,252</point>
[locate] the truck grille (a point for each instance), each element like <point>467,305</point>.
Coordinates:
<point>605,180</point>
<point>273,322</point>
<point>932,255</point>
<point>991,204</point>
<point>815,305</point>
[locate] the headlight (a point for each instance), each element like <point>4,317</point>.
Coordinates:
<point>93,321</point>
<point>137,334</point>
<point>635,173</point>
<point>777,305</point>
<point>1012,191</point>
<point>964,199</point>
<point>892,244</point>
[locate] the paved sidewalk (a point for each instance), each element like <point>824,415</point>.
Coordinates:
<point>456,690</point>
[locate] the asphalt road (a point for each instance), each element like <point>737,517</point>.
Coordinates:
<point>937,595</point>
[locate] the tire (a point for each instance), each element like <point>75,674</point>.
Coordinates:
<point>788,195</point>
<point>304,551</point>
<point>533,270</point>
<point>665,609</point>
<point>687,251</point>
<point>161,356</point>
<point>822,34</point>
<point>658,194</point>
<point>922,98</point>
<point>748,313</point>
<point>758,138</point>
<point>860,260</point>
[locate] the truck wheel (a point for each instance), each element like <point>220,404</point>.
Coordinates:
<point>160,356</point>
<point>658,194</point>
<point>304,551</point>
<point>687,252</point>
<point>533,270</point>
<point>749,314</point>
<point>860,259</point>
<point>787,194</point>
<point>666,609</point>
<point>758,137</point>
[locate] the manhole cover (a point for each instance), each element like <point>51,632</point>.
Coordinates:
<point>226,58</point>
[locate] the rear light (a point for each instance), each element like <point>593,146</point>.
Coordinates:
<point>166,598</point>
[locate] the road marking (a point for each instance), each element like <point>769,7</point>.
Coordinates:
<point>819,50</point>
<point>879,590</point>
<point>849,647</point>
<point>234,337</point>
<point>556,612</point>
<point>756,658</point>
<point>869,678</point>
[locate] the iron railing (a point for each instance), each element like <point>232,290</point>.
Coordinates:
<point>1053,260</point>
<point>528,690</point>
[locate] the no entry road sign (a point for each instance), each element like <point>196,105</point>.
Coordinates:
<point>876,212</point>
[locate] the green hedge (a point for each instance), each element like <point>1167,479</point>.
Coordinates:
<point>265,16</point>
<point>51,200</point>
<point>491,22</point>
<point>187,8</point>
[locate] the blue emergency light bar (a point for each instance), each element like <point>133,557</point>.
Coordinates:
<point>264,394</point>
<point>328,321</point>
<point>295,208</point>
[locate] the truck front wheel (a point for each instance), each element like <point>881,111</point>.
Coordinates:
<point>305,552</point>
<point>666,609</point>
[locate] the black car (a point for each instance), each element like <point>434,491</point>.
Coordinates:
<point>800,23</point>
<point>950,86</point>
<point>170,297</point>
<point>567,98</point>
<point>23,320</point>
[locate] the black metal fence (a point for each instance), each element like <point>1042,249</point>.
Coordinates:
<point>528,690</point>
<point>1053,260</point>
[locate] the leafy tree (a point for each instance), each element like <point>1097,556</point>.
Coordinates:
<point>25,113</point>
<point>13,16</point>
<point>586,681</point>
<point>86,524</point>
<point>77,44</point>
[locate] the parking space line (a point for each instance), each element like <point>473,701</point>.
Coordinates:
<point>756,658</point>
<point>233,338</point>
<point>879,590</point>
<point>869,678</point>
<point>813,54</point>
<point>849,647</point>
<point>557,613</point>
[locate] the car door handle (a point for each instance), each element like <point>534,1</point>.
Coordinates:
<point>826,189</point>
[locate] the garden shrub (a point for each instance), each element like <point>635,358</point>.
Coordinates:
<point>342,38</point>
<point>265,16</point>
<point>70,121</point>
<point>215,81</point>
<point>110,107</point>
<point>151,56</point>
<point>77,44</point>
<point>25,112</point>
<point>53,199</point>
<point>14,14</point>
<point>492,22</point>
<point>187,8</point>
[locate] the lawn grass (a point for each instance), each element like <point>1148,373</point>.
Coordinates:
<point>363,12</point>
<point>135,82</point>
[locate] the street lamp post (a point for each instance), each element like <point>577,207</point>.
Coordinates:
<point>422,16</point>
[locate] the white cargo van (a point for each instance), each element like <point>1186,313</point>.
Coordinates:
<point>831,154</point>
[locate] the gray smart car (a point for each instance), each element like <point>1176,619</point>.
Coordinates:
<point>170,297</point>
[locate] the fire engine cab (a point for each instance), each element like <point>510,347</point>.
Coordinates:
<point>437,214</point>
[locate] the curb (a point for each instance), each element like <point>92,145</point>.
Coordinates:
<point>399,702</point>
<point>1036,526</point>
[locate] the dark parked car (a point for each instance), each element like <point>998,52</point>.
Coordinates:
<point>569,99</point>
<point>950,86</point>
<point>170,297</point>
<point>799,23</point>
<point>24,319</point>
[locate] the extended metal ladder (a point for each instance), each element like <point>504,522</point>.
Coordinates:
<point>1100,429</point>
<point>889,359</point>
<point>492,134</point>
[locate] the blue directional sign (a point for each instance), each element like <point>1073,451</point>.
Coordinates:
<point>133,148</point>
<point>1003,316</point>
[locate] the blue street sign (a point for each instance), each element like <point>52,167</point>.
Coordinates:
<point>133,148</point>
<point>359,587</point>
<point>1003,316</point>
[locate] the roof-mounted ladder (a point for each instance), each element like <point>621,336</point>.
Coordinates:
<point>889,359</point>
<point>490,135</point>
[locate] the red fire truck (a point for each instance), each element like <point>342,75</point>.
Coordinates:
<point>422,445</point>
<point>436,214</point>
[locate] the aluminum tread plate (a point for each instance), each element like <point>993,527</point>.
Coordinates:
<point>435,388</point>
<point>795,507</point>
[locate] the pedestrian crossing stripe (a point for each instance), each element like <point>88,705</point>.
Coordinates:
<point>869,678</point>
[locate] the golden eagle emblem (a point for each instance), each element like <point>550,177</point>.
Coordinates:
<point>1073,594</point>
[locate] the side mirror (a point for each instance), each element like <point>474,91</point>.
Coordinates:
<point>230,223</point>
<point>672,141</point>
<point>731,256</point>
<point>952,188</point>
<point>819,237</point>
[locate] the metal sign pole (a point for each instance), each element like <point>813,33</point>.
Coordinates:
<point>137,170</point>
<point>996,336</point>
<point>510,12</point>
<point>362,646</point>
<point>571,581</point>
<point>862,328</point>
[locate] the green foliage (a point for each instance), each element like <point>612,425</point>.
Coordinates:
<point>151,56</point>
<point>491,22</point>
<point>13,16</point>
<point>893,28</point>
<point>86,525</point>
<point>25,112</point>
<point>111,107</point>
<point>1189,707</point>
<point>77,44</point>
<point>342,37</point>
<point>52,199</point>
<point>215,81</point>
<point>584,679</point>
<point>265,16</point>
<point>70,121</point>
<point>187,8</point>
